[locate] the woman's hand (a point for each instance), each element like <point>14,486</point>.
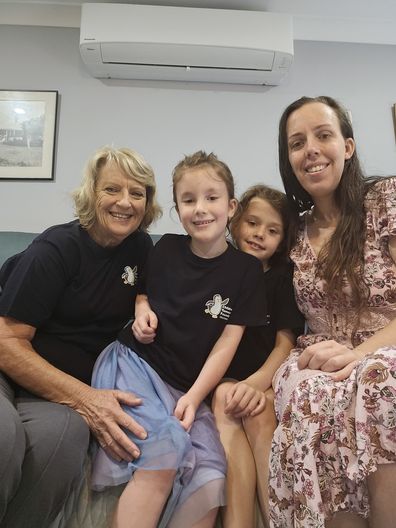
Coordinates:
<point>243,400</point>
<point>144,327</point>
<point>102,411</point>
<point>185,411</point>
<point>330,356</point>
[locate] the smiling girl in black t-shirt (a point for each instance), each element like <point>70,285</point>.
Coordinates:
<point>198,295</point>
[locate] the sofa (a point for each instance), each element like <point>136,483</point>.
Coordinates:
<point>84,508</point>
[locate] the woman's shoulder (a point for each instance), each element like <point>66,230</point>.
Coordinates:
<point>56,234</point>
<point>380,186</point>
<point>52,249</point>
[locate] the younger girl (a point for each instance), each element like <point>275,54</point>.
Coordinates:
<point>244,409</point>
<point>198,294</point>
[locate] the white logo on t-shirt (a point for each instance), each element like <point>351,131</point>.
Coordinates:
<point>216,307</point>
<point>130,275</point>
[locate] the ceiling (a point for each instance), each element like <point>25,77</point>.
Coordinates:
<point>361,21</point>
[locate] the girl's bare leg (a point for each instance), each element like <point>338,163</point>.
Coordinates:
<point>241,469</point>
<point>382,494</point>
<point>208,521</point>
<point>142,501</point>
<point>259,431</point>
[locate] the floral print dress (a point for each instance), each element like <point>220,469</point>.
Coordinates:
<point>332,435</point>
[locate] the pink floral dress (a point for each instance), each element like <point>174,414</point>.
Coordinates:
<point>332,435</point>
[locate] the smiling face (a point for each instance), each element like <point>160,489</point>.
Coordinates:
<point>317,149</point>
<point>120,206</point>
<point>204,208</point>
<point>260,230</point>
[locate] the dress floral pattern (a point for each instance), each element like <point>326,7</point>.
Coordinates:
<point>332,435</point>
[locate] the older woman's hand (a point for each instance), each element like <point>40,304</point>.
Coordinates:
<point>330,356</point>
<point>105,417</point>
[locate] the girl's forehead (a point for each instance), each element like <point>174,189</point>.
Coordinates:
<point>205,175</point>
<point>262,207</point>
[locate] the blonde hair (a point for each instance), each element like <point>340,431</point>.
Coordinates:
<point>133,165</point>
<point>198,160</point>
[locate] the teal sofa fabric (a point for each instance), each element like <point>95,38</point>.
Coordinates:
<point>12,242</point>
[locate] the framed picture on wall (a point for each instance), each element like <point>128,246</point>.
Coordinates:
<point>27,134</point>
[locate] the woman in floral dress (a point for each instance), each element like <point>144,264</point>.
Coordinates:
<point>333,460</point>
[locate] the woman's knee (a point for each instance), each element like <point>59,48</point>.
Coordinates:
<point>58,437</point>
<point>73,446</point>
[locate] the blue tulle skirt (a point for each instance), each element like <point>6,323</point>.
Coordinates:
<point>198,456</point>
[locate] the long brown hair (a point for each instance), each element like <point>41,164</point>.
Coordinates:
<point>342,256</point>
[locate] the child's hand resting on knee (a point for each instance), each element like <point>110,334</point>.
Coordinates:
<point>243,400</point>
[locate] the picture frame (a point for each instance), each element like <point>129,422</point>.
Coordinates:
<point>27,134</point>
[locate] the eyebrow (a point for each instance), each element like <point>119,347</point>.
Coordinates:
<point>207,191</point>
<point>254,217</point>
<point>324,125</point>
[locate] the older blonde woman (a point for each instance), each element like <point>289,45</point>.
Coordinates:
<point>63,300</point>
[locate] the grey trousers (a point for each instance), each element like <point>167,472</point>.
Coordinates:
<point>42,450</point>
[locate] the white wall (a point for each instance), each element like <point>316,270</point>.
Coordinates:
<point>164,121</point>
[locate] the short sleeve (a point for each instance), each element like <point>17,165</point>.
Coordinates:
<point>150,256</point>
<point>287,315</point>
<point>32,283</point>
<point>380,206</point>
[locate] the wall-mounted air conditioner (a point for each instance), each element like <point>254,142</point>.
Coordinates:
<point>125,41</point>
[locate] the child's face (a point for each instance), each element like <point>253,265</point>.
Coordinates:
<point>260,230</point>
<point>204,208</point>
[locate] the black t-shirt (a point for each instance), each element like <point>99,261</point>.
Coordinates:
<point>257,342</point>
<point>76,293</point>
<point>194,299</point>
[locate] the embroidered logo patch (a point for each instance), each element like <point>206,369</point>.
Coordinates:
<point>130,275</point>
<point>217,308</point>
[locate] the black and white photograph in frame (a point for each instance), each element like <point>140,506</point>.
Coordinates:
<point>27,134</point>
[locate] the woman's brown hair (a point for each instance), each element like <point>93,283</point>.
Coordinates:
<point>342,257</point>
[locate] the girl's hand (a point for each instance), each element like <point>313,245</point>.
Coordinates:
<point>144,327</point>
<point>330,356</point>
<point>185,411</point>
<point>243,400</point>
<point>102,411</point>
